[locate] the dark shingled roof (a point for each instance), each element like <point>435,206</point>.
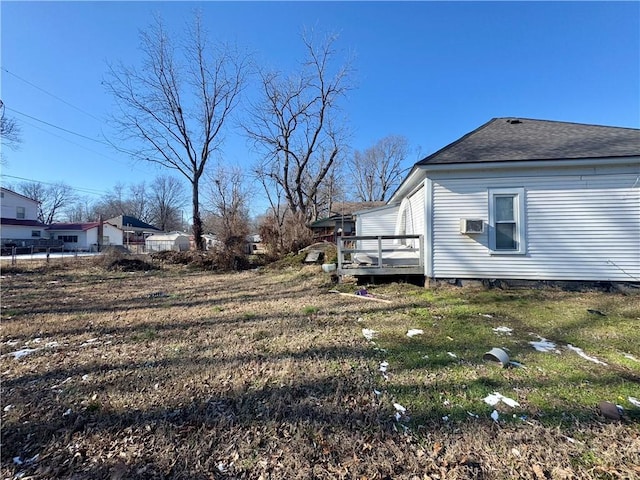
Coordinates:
<point>509,139</point>
<point>21,223</point>
<point>133,223</point>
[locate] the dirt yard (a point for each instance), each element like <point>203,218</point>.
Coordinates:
<point>172,373</point>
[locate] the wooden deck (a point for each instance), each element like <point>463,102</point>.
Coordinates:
<point>381,255</point>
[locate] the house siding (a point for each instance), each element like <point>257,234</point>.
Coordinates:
<point>579,225</point>
<point>379,221</point>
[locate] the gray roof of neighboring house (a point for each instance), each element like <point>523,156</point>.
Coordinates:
<point>521,139</point>
<point>133,223</point>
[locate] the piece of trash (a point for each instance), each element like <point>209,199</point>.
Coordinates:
<point>497,355</point>
<point>397,416</point>
<point>85,377</point>
<point>609,410</point>
<point>363,292</point>
<point>158,295</point>
<point>452,355</point>
<point>516,364</point>
<point>425,357</point>
<point>631,357</point>
<point>495,415</point>
<point>494,398</point>
<point>399,408</point>
<point>544,345</point>
<point>634,401</point>
<point>67,413</point>
<point>377,392</point>
<point>506,330</point>
<point>596,312</point>
<point>221,467</point>
<point>369,334</point>
<point>485,315</point>
<point>449,338</point>
<point>7,408</point>
<point>445,418</point>
<point>515,452</point>
<point>446,403</point>
<point>580,352</point>
<point>18,354</point>
<point>415,331</point>
<point>383,366</point>
<point>471,414</point>
<point>17,460</point>
<point>51,344</point>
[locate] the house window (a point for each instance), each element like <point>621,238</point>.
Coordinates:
<point>506,220</point>
<point>68,238</point>
<point>35,233</point>
<point>20,213</point>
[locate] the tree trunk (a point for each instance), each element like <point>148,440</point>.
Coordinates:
<point>197,221</point>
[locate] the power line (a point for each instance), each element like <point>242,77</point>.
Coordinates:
<point>51,94</point>
<point>55,126</point>
<point>83,190</point>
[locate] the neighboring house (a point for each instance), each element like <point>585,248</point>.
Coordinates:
<point>254,245</point>
<point>524,199</point>
<point>85,236</point>
<point>135,231</point>
<point>340,222</point>
<point>158,242</point>
<point>19,224</point>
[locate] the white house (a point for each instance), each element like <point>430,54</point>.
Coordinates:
<point>19,224</point>
<point>84,236</point>
<point>524,199</point>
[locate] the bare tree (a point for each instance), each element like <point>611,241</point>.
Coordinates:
<point>228,201</point>
<point>296,127</point>
<point>166,200</point>
<point>176,104</point>
<point>52,199</point>
<point>10,134</point>
<point>378,169</point>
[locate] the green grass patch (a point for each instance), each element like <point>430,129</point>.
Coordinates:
<point>442,372</point>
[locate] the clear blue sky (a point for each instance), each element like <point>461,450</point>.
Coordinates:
<point>431,71</point>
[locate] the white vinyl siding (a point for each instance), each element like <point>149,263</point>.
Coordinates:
<point>377,221</point>
<point>577,226</point>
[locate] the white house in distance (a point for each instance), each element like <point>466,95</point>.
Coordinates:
<point>159,242</point>
<point>19,220</point>
<point>522,199</point>
<point>84,236</point>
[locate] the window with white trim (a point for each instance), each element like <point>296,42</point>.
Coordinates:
<point>20,213</point>
<point>507,221</point>
<point>35,233</point>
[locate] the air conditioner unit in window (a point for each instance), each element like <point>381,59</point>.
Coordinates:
<point>468,225</point>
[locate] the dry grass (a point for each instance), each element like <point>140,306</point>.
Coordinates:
<point>179,374</point>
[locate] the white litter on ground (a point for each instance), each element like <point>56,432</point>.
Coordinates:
<point>383,366</point>
<point>516,364</point>
<point>377,392</point>
<point>494,398</point>
<point>85,377</point>
<point>495,415</point>
<point>67,413</point>
<point>634,401</point>
<point>452,355</point>
<point>445,418</point>
<point>506,330</point>
<point>471,414</point>
<point>91,341</point>
<point>7,408</point>
<point>18,354</point>
<point>399,408</point>
<point>17,460</point>
<point>580,352</point>
<point>544,345</point>
<point>415,331</point>
<point>369,334</point>
<point>51,344</point>
<point>626,355</point>
<point>485,315</point>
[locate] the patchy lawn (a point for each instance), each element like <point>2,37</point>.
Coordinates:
<point>171,373</point>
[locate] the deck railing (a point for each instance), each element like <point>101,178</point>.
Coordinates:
<point>383,254</point>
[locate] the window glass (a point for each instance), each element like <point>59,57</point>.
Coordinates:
<point>504,208</point>
<point>506,236</point>
<point>35,233</point>
<point>20,213</point>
